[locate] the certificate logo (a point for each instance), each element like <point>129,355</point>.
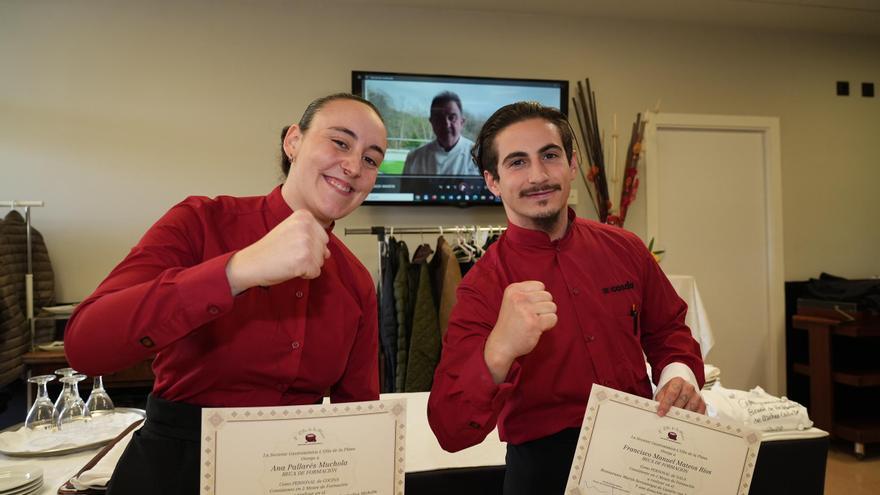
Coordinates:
<point>671,434</point>
<point>310,437</point>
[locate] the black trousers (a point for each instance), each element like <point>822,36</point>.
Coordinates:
<point>540,467</point>
<point>163,456</point>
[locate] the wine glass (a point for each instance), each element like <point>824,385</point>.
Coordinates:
<point>74,408</point>
<point>99,402</point>
<point>41,415</point>
<point>61,401</point>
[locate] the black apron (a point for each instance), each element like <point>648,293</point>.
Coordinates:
<point>163,456</point>
<point>540,467</point>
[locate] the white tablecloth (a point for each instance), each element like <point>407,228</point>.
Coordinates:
<point>423,453</point>
<point>696,319</point>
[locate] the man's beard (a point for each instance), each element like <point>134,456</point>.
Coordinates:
<point>545,220</point>
<point>548,220</point>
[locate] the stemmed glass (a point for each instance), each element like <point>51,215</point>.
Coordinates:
<point>99,402</point>
<point>41,415</point>
<point>61,401</point>
<point>74,407</point>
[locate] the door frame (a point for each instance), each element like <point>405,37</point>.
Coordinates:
<point>768,127</point>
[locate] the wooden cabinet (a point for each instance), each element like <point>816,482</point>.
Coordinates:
<point>841,363</point>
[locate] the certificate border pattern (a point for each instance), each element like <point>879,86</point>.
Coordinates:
<point>600,395</point>
<point>213,420</point>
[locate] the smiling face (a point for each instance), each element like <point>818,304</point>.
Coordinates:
<point>334,163</point>
<point>534,176</point>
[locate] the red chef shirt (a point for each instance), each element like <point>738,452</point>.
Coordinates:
<point>597,274</point>
<point>287,344</point>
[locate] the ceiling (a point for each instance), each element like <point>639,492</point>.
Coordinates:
<point>853,17</point>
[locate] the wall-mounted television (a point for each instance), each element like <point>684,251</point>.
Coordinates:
<point>432,121</point>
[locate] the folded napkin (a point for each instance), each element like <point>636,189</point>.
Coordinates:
<point>73,435</point>
<point>712,373</point>
<point>756,408</point>
<point>95,475</point>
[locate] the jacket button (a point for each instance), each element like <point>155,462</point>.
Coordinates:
<point>295,344</point>
<point>575,291</point>
<point>299,294</point>
<point>213,309</point>
<point>474,425</point>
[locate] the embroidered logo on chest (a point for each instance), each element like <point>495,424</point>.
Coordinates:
<point>628,285</point>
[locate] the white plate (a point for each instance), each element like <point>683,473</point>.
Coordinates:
<point>54,346</point>
<point>12,477</point>
<point>64,309</point>
<point>35,487</point>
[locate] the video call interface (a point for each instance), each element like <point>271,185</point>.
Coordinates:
<point>428,157</point>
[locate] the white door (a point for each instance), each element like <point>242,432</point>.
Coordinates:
<point>714,205</point>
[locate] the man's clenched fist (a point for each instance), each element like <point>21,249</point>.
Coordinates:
<point>527,311</point>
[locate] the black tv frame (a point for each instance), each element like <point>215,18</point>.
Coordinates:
<point>453,182</point>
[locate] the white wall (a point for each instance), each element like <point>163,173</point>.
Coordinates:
<point>113,112</point>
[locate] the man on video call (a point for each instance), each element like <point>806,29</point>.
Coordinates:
<point>557,304</point>
<point>450,153</point>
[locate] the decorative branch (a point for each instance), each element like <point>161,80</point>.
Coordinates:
<point>590,144</point>
<point>585,108</point>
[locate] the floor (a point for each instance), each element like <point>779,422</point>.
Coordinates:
<point>845,474</point>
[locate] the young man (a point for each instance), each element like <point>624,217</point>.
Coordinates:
<point>450,153</point>
<point>557,304</point>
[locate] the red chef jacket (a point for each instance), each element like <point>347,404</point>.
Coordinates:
<point>613,301</point>
<point>282,345</point>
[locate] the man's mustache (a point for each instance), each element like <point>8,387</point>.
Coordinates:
<point>540,189</point>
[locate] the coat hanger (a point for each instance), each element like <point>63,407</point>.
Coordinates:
<point>466,251</point>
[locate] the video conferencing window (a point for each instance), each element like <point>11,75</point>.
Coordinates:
<point>432,123</point>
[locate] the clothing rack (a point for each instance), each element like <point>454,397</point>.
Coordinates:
<point>29,276</point>
<point>380,231</point>
<point>383,231</point>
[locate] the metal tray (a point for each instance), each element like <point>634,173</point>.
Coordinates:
<point>67,450</point>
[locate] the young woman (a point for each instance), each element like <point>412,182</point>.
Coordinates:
<point>246,301</point>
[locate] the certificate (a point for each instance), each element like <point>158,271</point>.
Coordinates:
<point>355,448</point>
<point>625,448</point>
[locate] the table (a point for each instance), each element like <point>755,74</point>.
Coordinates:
<point>424,456</point>
<point>784,465</point>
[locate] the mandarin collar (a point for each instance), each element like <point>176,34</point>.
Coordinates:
<point>537,238</point>
<point>279,209</point>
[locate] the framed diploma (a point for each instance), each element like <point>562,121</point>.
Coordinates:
<point>625,448</point>
<point>355,448</point>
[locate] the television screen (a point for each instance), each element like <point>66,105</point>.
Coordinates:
<point>432,123</point>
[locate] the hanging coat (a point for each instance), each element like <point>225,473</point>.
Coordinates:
<point>424,347</point>
<point>404,315</point>
<point>446,276</point>
<point>14,331</point>
<point>388,316</point>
